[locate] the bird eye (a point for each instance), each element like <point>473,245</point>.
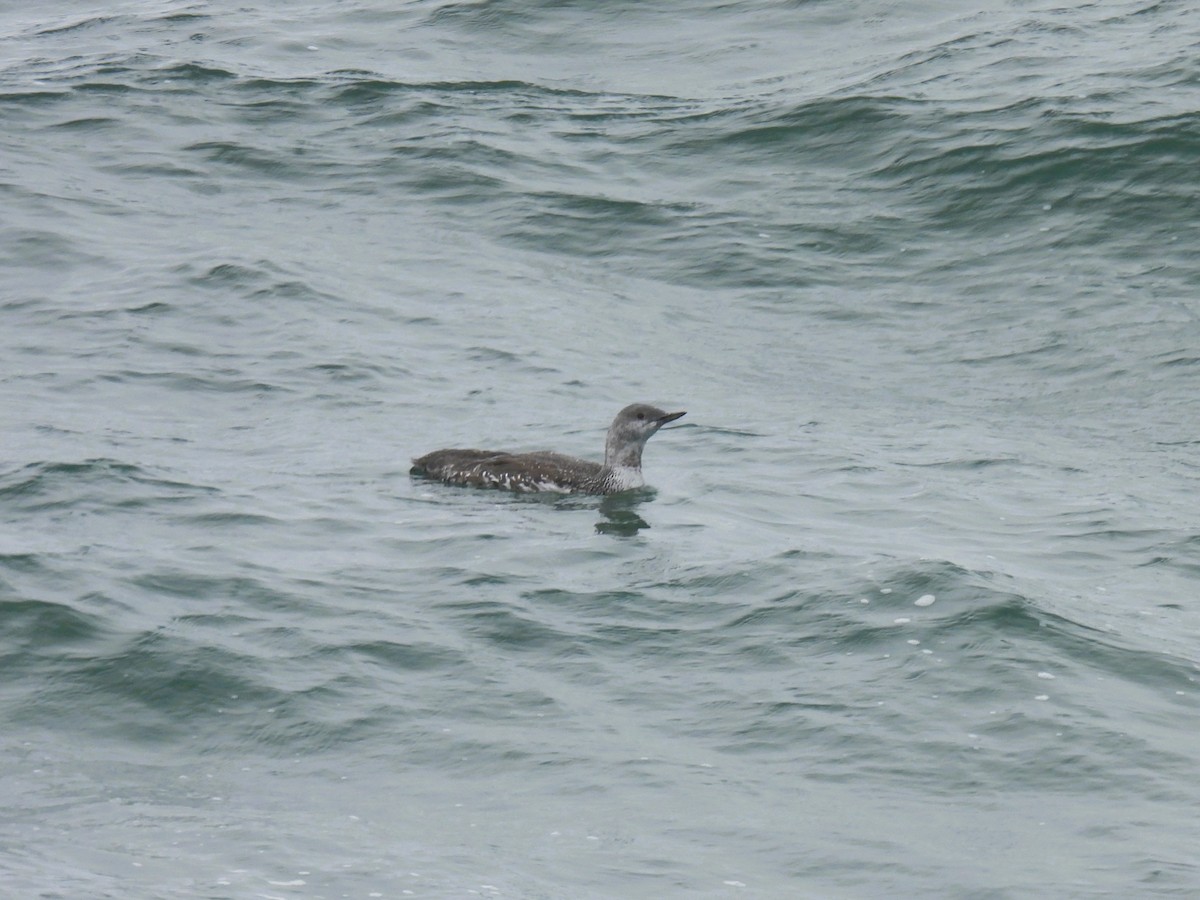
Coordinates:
<point>641,415</point>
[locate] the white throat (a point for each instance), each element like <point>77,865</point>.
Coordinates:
<point>627,477</point>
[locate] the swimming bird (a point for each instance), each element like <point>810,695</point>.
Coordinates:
<point>547,471</point>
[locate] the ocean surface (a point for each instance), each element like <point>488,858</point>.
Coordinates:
<point>913,606</point>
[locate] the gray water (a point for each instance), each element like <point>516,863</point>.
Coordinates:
<point>911,607</point>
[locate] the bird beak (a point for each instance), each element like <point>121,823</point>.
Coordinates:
<point>670,417</point>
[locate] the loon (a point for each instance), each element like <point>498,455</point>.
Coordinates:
<point>546,471</point>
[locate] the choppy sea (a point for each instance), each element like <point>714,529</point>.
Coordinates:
<point>913,607</point>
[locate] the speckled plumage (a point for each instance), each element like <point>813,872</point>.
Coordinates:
<point>547,471</point>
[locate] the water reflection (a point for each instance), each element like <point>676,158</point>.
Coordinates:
<point>619,513</point>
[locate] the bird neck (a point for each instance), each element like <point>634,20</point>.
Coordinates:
<point>622,478</point>
<point>620,455</point>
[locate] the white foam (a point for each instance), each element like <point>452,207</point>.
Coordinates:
<point>925,600</point>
